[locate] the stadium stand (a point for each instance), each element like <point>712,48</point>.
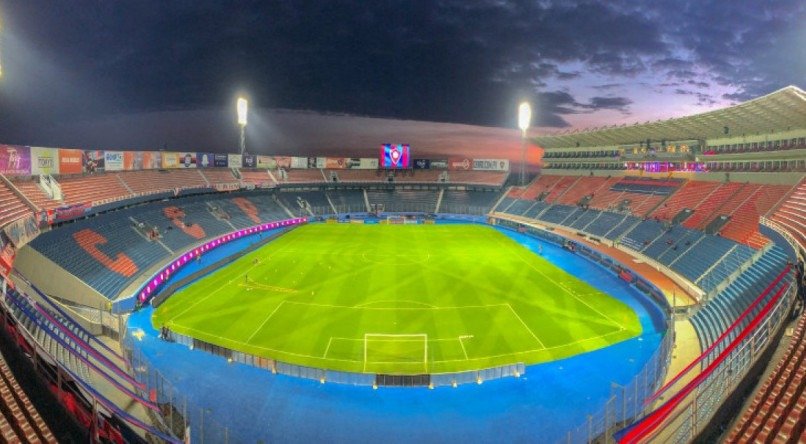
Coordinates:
<point>490,178</point>
<point>791,214</point>
<point>404,200</point>
<point>152,181</point>
<point>258,178</point>
<point>304,176</point>
<point>19,419</point>
<point>11,206</point>
<point>688,197</point>
<point>35,194</point>
<point>474,202</point>
<point>778,411</point>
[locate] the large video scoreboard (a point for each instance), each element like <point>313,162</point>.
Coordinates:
<point>395,156</point>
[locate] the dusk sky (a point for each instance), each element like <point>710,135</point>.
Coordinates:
<point>69,67</point>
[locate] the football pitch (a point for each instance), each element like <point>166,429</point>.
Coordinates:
<point>397,299</point>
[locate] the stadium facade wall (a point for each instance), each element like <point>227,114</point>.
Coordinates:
<point>780,178</point>
<point>55,281</point>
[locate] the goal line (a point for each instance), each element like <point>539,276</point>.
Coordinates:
<point>385,350</point>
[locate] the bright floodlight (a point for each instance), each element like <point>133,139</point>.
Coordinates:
<point>242,111</point>
<point>524,116</point>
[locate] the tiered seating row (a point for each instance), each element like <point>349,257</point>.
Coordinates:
<point>19,419</point>
<point>11,206</point>
<point>718,314</point>
<point>792,214</point>
<point>689,196</point>
<point>744,222</point>
<point>778,411</point>
<point>109,252</point>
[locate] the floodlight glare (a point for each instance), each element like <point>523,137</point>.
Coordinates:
<point>524,116</point>
<point>242,104</point>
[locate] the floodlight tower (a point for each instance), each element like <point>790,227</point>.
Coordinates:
<point>524,119</point>
<point>242,105</point>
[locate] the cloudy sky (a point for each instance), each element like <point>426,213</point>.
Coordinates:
<point>71,66</point>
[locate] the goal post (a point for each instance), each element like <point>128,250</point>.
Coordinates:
<point>392,353</point>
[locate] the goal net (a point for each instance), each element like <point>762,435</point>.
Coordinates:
<point>395,353</point>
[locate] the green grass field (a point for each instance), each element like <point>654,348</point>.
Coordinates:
<point>398,299</point>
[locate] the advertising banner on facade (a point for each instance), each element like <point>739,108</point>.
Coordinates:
<point>187,160</point>
<point>7,254</point>
<point>113,160</point>
<point>152,160</point>
<point>92,161</point>
<point>249,161</point>
<point>298,162</point>
<point>204,160</point>
<point>170,160</point>
<point>491,164</point>
<point>438,164</point>
<point>15,160</point>
<point>284,161</point>
<point>367,163</point>
<point>266,162</point>
<point>22,231</point>
<point>460,164</point>
<point>234,160</point>
<point>422,164</point>
<point>70,161</point>
<point>334,163</point>
<point>220,160</point>
<point>44,160</point>
<point>352,162</point>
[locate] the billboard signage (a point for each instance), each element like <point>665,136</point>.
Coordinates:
<point>15,160</point>
<point>439,164</point>
<point>460,164</point>
<point>422,164</point>
<point>113,160</point>
<point>249,161</point>
<point>44,160</point>
<point>220,160</point>
<point>204,160</point>
<point>491,164</point>
<point>234,160</point>
<point>152,160</point>
<point>92,161</point>
<point>70,161</point>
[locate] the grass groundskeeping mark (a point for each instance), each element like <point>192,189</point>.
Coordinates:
<point>398,299</point>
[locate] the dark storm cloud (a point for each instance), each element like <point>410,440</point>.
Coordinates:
<point>554,104</point>
<point>448,61</point>
<point>702,98</point>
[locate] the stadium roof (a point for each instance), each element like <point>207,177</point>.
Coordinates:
<point>782,110</point>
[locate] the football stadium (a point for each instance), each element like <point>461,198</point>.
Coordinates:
<point>624,283</point>
<point>613,296</point>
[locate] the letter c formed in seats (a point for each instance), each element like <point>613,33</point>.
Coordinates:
<point>89,240</point>
<point>177,216</point>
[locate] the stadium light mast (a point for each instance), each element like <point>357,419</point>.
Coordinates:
<point>524,119</point>
<point>242,106</point>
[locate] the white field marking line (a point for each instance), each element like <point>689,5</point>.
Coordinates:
<point>462,343</point>
<point>265,321</point>
<point>525,326</point>
<point>357,307</point>
<point>522,352</point>
<point>225,284</point>
<point>260,286</point>
<point>329,341</point>
<point>301,355</point>
<point>569,291</point>
<point>394,302</point>
<point>338,338</point>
